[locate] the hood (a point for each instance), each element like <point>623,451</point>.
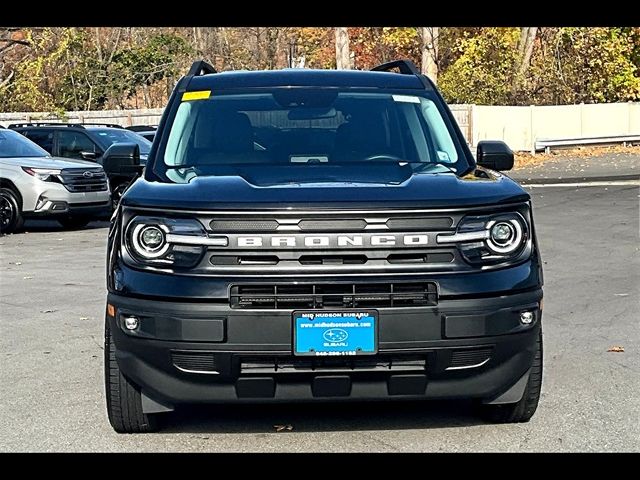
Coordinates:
<point>276,189</point>
<point>49,162</point>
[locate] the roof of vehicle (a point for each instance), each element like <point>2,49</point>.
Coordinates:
<point>298,77</point>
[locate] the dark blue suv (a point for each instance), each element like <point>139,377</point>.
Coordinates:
<point>308,235</point>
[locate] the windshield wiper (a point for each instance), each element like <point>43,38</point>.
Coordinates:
<point>446,165</point>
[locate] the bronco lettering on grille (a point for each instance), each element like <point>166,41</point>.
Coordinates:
<point>328,241</point>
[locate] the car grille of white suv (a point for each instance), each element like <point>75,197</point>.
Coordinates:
<point>84,179</point>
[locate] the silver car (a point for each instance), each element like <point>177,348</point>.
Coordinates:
<point>34,184</point>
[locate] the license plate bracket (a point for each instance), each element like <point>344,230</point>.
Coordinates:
<point>335,333</point>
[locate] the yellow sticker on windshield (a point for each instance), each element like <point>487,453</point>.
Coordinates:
<point>200,95</point>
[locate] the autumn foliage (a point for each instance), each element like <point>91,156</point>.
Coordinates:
<point>60,69</point>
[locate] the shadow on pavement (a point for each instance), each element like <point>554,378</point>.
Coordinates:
<point>321,417</point>
<point>53,226</point>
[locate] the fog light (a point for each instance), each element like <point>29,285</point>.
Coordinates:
<point>131,323</point>
<point>526,318</point>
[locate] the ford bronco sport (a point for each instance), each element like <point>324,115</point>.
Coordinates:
<point>306,235</point>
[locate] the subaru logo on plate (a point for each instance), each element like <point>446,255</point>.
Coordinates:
<point>87,174</point>
<point>335,335</point>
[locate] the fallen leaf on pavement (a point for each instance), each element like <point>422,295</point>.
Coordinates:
<point>281,428</point>
<point>84,318</point>
<point>48,311</point>
<point>621,294</point>
<point>27,278</point>
<point>616,348</point>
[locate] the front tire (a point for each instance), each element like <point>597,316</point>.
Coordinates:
<point>523,410</point>
<point>124,402</point>
<point>74,222</point>
<point>10,212</point>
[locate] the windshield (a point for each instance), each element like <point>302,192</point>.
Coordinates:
<point>110,136</point>
<point>309,126</point>
<point>13,144</point>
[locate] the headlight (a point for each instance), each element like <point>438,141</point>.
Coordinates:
<point>149,241</point>
<point>491,239</point>
<point>505,236</point>
<point>44,174</point>
<point>164,242</point>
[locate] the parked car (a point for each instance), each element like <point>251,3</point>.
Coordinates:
<point>146,131</point>
<point>34,184</point>
<point>85,142</point>
<point>333,241</point>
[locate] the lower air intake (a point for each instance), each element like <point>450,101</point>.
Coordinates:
<point>469,358</point>
<point>195,362</point>
<point>347,295</point>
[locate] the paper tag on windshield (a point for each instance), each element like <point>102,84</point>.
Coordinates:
<point>405,98</point>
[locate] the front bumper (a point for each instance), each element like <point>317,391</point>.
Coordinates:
<point>207,352</point>
<point>53,208</point>
<point>40,198</point>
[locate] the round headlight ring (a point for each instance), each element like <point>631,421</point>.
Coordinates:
<point>501,244</point>
<point>144,248</point>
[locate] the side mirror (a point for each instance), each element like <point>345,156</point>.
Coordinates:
<point>122,159</point>
<point>495,155</point>
<point>89,155</point>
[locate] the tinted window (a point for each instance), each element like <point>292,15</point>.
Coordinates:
<point>107,137</point>
<point>44,138</point>
<point>309,126</point>
<point>70,144</point>
<point>12,144</point>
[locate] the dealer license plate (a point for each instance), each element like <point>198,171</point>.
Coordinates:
<point>335,333</point>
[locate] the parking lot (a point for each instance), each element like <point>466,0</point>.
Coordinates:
<point>52,293</point>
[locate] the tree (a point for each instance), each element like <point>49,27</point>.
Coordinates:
<point>58,69</point>
<point>525,47</point>
<point>343,57</point>
<point>429,36</point>
<point>483,70</point>
<point>584,64</point>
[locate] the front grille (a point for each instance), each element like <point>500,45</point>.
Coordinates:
<point>468,358</point>
<point>322,242</point>
<point>194,362</point>
<point>239,225</point>
<point>332,295</point>
<point>79,180</point>
<point>343,223</point>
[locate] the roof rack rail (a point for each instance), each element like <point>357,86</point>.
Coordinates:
<point>201,67</point>
<point>37,124</point>
<point>141,128</point>
<point>406,67</point>
<point>63,124</point>
<point>111,125</point>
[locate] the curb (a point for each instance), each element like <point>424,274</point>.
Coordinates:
<point>601,178</point>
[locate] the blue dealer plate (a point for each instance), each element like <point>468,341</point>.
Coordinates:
<point>338,333</point>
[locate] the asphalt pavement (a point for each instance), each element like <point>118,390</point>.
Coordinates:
<point>52,294</point>
<point>568,169</point>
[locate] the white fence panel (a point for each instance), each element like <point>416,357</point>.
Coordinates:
<point>518,126</point>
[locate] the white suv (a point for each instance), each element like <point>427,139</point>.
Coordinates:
<point>34,184</point>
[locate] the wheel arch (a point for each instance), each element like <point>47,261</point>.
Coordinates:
<point>6,183</point>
